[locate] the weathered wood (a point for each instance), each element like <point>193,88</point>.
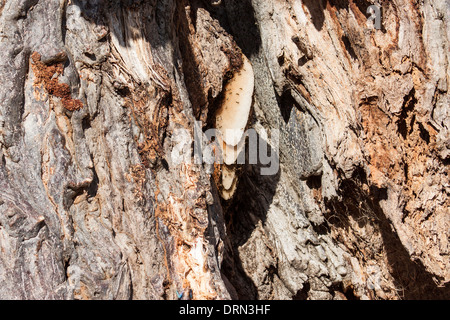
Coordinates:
<point>93,204</point>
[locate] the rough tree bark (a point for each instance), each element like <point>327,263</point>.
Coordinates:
<point>92,205</point>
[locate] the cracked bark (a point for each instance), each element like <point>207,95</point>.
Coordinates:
<point>92,205</point>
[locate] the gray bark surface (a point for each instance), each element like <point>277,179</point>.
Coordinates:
<point>92,205</point>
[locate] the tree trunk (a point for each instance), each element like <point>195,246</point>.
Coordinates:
<point>95,205</point>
